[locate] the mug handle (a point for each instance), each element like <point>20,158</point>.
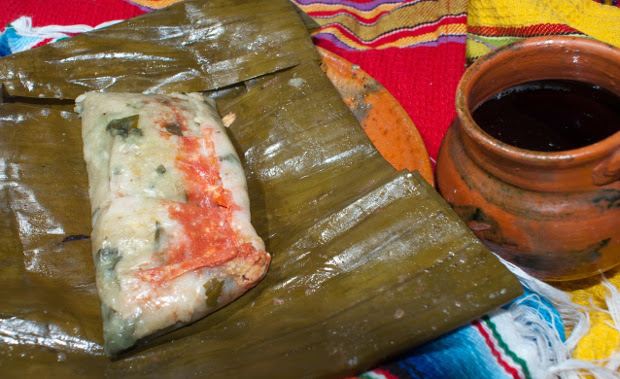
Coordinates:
<point>607,171</point>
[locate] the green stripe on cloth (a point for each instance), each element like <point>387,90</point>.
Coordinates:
<point>505,347</point>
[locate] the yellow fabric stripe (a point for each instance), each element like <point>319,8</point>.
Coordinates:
<point>602,339</point>
<point>597,20</point>
<point>420,13</point>
<point>454,29</point>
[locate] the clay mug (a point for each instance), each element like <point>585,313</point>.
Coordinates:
<point>555,214</point>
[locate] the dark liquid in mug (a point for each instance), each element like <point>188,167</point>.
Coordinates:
<point>550,115</point>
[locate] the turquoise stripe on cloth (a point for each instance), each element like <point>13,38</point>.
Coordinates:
<point>11,42</point>
<point>500,345</point>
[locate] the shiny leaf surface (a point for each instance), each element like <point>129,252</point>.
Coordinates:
<point>190,46</point>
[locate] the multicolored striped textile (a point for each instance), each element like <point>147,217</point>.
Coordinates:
<point>417,50</point>
<point>32,23</point>
<point>493,23</point>
<point>365,25</point>
<point>499,345</point>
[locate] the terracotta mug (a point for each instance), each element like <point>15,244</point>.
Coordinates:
<point>555,214</point>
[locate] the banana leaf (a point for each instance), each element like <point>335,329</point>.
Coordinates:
<point>195,45</point>
<point>367,261</point>
<point>309,125</point>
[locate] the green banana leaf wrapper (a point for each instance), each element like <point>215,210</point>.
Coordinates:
<point>367,262</point>
<point>195,45</point>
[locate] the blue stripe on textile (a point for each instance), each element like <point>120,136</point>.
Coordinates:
<point>544,308</point>
<point>464,354</point>
<point>459,355</point>
<point>11,42</point>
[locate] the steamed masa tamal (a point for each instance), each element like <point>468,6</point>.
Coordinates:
<point>172,238</point>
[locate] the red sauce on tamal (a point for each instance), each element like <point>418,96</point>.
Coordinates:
<point>202,174</point>
<point>208,239</point>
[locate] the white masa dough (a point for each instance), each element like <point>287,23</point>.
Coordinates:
<point>133,182</point>
<point>129,225</point>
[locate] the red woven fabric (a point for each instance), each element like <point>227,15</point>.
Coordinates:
<point>67,12</point>
<point>423,79</point>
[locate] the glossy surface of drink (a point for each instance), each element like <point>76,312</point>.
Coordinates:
<point>550,115</point>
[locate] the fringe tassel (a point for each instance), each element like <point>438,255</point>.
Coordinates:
<point>23,27</point>
<point>613,306</point>
<point>558,361</point>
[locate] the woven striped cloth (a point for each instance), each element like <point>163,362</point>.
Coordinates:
<point>366,25</point>
<point>504,344</point>
<point>493,23</point>
<point>417,50</point>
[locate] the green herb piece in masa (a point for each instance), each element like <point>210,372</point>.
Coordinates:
<point>107,258</point>
<point>119,336</point>
<point>232,158</point>
<point>135,132</point>
<point>174,129</point>
<point>124,126</point>
<point>159,230</point>
<point>214,290</point>
<point>161,169</point>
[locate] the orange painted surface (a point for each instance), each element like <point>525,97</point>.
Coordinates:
<point>383,119</point>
